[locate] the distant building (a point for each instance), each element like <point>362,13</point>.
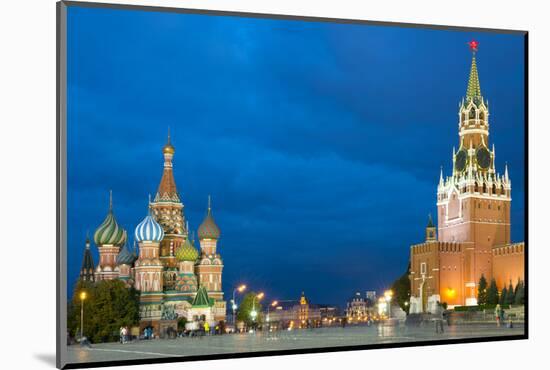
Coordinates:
<point>328,312</point>
<point>296,313</point>
<point>356,307</point>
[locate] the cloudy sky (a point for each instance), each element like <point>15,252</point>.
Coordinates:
<point>320,143</point>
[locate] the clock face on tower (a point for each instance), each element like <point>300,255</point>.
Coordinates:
<point>460,160</point>
<point>483,158</point>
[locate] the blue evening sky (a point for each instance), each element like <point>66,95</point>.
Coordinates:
<point>320,143</point>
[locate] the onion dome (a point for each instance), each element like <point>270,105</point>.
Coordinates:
<point>149,230</point>
<point>125,257</point>
<point>109,232</point>
<point>168,148</point>
<point>187,252</point>
<point>208,229</point>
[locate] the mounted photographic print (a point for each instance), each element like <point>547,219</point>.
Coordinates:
<point>235,185</point>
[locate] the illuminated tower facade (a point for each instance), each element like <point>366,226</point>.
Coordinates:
<point>474,201</point>
<point>148,268</point>
<point>473,217</point>
<point>168,210</point>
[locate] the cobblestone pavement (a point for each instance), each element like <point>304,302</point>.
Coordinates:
<point>282,340</point>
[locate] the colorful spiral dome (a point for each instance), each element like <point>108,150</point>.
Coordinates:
<point>125,257</point>
<point>187,252</point>
<point>208,229</point>
<point>149,230</point>
<point>109,232</point>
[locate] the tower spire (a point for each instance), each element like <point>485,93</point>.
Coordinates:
<point>474,89</point>
<point>110,200</point>
<point>209,204</point>
<point>441,176</point>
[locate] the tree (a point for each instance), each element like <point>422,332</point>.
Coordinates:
<point>510,295</point>
<point>482,290</point>
<point>519,297</point>
<point>109,305</point>
<point>492,293</point>
<point>503,295</point>
<point>402,290</point>
<point>249,303</point>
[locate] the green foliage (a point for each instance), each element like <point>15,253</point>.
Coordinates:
<point>181,323</point>
<point>519,297</point>
<point>109,305</point>
<point>402,290</point>
<point>248,303</point>
<point>503,295</point>
<point>482,290</point>
<point>492,293</point>
<point>509,295</point>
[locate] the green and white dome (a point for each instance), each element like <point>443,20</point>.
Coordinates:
<point>109,232</point>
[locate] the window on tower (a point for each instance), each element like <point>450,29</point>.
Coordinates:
<point>472,113</point>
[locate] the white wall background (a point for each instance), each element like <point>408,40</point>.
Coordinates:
<point>27,181</point>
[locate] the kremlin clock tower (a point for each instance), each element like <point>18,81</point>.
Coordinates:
<point>473,213</point>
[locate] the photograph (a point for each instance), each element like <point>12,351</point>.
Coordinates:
<point>240,184</point>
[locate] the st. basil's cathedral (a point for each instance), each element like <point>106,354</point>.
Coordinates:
<point>172,275</point>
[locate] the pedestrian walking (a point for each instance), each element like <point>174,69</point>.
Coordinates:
<point>498,314</point>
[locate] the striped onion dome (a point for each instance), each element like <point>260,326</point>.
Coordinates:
<point>109,232</point>
<point>208,229</point>
<point>149,230</point>
<point>125,257</point>
<point>187,252</point>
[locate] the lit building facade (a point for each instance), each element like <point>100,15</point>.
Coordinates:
<point>174,278</point>
<point>472,236</point>
<point>297,314</point>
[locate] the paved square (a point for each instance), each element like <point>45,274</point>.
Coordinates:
<point>282,340</point>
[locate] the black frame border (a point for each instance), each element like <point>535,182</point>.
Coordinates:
<point>61,101</point>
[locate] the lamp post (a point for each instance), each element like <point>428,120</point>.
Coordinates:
<point>239,289</point>
<point>273,304</point>
<point>388,294</point>
<point>82,299</point>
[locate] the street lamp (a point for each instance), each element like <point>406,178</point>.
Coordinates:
<point>388,294</point>
<point>254,313</point>
<point>239,289</point>
<point>82,299</point>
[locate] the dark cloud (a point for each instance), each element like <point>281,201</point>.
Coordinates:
<point>320,143</point>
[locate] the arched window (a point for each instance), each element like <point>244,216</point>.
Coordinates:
<point>484,188</point>
<point>476,188</point>
<point>482,116</point>
<point>472,113</point>
<point>494,189</point>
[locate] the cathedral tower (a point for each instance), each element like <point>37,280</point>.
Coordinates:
<point>168,211</point>
<point>108,237</point>
<point>148,267</point>
<point>210,265</point>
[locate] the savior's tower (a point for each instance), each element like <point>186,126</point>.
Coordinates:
<point>210,265</point>
<point>167,209</point>
<point>109,237</point>
<point>474,202</point>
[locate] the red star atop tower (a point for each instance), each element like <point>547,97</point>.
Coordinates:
<point>473,45</point>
